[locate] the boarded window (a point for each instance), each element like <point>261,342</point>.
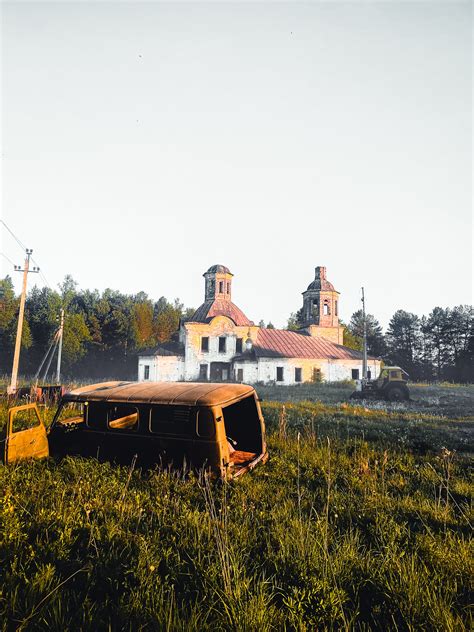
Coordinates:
<point>279,374</point>
<point>173,420</point>
<point>240,375</point>
<point>238,345</point>
<point>205,344</point>
<point>355,374</point>
<point>203,372</point>
<point>222,344</point>
<point>297,374</point>
<point>146,372</point>
<point>316,374</point>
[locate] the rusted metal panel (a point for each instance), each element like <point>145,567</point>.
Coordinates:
<point>25,442</point>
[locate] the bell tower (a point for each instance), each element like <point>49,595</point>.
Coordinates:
<point>218,284</point>
<point>321,308</point>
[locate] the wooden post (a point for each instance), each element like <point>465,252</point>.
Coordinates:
<point>16,356</point>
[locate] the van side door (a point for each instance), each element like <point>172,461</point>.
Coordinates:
<point>26,434</point>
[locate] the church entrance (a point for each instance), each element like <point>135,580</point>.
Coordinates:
<point>220,372</point>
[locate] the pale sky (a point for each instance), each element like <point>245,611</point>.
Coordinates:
<point>144,142</point>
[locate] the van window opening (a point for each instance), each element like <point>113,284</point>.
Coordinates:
<point>70,412</point>
<point>121,417</point>
<point>206,427</point>
<point>24,420</point>
<point>179,420</point>
<point>242,426</point>
<point>110,416</point>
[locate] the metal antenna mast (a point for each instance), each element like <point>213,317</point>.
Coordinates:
<point>364,357</point>
<point>16,355</point>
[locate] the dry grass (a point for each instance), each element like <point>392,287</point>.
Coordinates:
<point>361,519</point>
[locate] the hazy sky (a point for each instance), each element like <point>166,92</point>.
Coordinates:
<point>144,142</point>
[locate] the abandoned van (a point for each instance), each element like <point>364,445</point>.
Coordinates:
<point>183,424</point>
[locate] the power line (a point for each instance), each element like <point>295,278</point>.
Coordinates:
<point>45,280</point>
<point>22,246</point>
<point>7,258</point>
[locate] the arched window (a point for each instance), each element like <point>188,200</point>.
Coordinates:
<point>335,308</point>
<point>326,311</point>
<point>221,287</point>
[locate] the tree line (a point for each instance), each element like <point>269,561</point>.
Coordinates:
<point>104,332</point>
<point>436,347</point>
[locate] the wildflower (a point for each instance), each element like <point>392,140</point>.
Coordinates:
<point>152,568</point>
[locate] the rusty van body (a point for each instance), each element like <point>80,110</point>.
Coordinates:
<point>194,425</point>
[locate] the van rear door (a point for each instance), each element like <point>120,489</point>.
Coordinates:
<point>26,434</point>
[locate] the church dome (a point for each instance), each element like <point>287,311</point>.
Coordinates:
<point>210,309</point>
<point>218,268</point>
<point>321,284</point>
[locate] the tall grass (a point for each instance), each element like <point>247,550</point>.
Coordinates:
<point>345,527</point>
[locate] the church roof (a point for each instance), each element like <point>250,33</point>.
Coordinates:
<point>321,284</point>
<point>218,268</point>
<point>170,348</point>
<point>218,307</point>
<point>280,343</point>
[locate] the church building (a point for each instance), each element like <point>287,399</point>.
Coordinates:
<point>220,344</point>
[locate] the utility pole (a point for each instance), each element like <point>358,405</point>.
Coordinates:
<point>61,330</point>
<point>364,357</point>
<point>16,355</point>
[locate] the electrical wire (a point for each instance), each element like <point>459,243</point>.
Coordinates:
<point>51,358</point>
<point>46,354</point>
<point>22,246</point>
<point>7,258</point>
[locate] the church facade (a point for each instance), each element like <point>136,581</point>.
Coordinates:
<point>219,343</point>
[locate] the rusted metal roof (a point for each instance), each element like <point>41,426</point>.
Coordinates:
<point>220,307</point>
<point>184,393</point>
<point>321,284</point>
<point>280,343</point>
<point>164,349</point>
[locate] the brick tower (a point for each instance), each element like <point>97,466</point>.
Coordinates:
<point>321,308</point>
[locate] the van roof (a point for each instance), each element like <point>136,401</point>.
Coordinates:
<point>184,393</point>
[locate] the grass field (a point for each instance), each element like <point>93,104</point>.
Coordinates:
<point>361,519</point>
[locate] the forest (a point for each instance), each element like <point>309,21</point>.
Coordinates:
<point>104,332</point>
